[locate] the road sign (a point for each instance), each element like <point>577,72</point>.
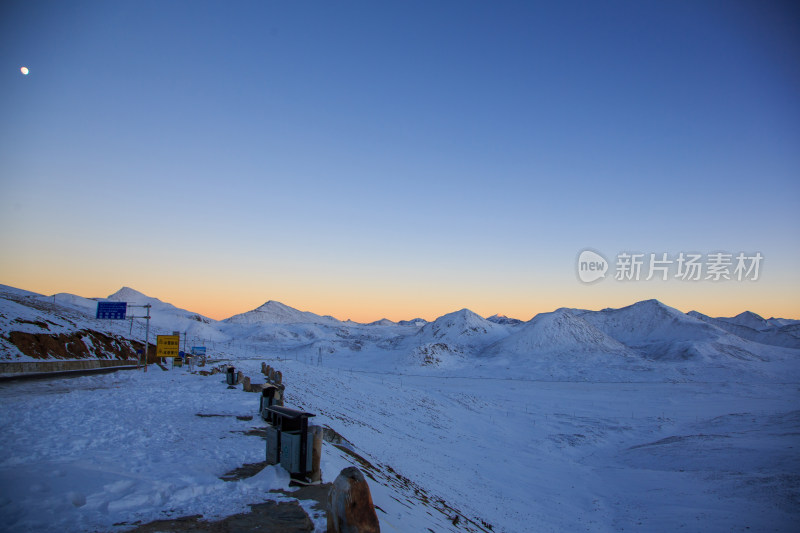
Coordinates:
<point>112,310</point>
<point>168,345</point>
<point>198,350</point>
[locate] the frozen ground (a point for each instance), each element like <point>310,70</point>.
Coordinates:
<point>84,454</point>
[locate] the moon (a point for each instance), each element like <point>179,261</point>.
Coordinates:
<point>24,71</point>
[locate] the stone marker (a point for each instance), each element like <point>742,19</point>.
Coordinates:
<point>246,384</point>
<point>316,453</point>
<point>278,377</point>
<point>239,377</point>
<point>350,504</point>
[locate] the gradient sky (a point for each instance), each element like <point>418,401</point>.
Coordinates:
<point>398,159</point>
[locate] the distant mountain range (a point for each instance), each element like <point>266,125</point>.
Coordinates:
<point>636,336</point>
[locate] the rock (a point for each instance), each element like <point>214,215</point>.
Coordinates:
<point>350,504</point>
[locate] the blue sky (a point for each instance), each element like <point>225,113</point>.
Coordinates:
<point>369,159</point>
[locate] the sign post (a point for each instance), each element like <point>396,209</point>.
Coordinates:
<point>200,351</point>
<point>168,345</point>
<point>111,310</point>
<point>117,311</point>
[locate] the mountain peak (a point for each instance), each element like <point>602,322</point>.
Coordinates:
<point>749,315</point>
<point>273,312</point>
<point>503,319</point>
<point>462,327</point>
<point>127,294</point>
<point>273,304</point>
<point>748,319</point>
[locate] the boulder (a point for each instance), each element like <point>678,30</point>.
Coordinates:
<point>350,504</point>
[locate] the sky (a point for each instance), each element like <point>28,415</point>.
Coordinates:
<point>399,159</point>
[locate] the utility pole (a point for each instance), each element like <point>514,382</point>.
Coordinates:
<point>146,330</point>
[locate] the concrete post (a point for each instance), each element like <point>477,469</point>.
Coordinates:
<point>316,453</point>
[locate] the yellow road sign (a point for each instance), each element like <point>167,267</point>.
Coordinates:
<point>168,345</point>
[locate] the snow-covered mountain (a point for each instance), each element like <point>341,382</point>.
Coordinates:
<point>647,322</point>
<point>787,336</point>
<point>504,320</point>
<point>559,332</point>
<point>461,329</point>
<point>748,319</point>
<point>416,322</point>
<point>274,312</point>
<point>448,341</point>
<point>660,332</point>
<point>382,322</point>
<point>780,322</point>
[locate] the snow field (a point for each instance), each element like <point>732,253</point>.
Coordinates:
<point>574,456</point>
<point>90,452</point>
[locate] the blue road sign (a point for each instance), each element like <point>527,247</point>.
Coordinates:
<point>198,350</point>
<point>112,310</point>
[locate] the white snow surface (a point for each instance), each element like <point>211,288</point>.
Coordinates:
<point>83,454</point>
<point>640,418</point>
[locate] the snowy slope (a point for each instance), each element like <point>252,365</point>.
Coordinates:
<point>558,332</point>
<point>780,322</point>
<point>660,332</point>
<point>461,328</point>
<point>560,345</point>
<point>274,312</point>
<point>747,319</point>
<point>774,335</point>
<point>6,290</point>
<point>67,315</point>
<point>449,340</point>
